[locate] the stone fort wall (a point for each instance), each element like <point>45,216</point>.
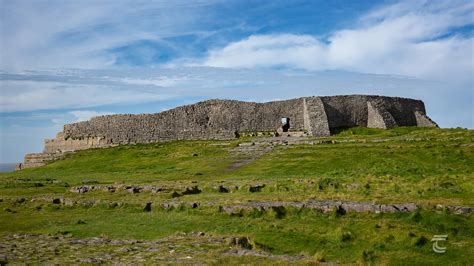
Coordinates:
<point>213,119</point>
<point>226,119</point>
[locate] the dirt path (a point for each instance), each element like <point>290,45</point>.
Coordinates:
<point>247,153</point>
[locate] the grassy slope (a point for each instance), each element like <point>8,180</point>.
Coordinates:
<point>426,166</point>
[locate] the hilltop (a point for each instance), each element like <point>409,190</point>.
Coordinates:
<point>360,196</point>
<point>228,120</point>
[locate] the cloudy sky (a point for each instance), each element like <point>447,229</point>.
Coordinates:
<point>66,61</point>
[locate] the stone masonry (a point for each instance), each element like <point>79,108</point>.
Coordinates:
<point>227,119</point>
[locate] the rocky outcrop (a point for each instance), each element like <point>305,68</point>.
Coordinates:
<point>324,206</point>
<point>228,119</point>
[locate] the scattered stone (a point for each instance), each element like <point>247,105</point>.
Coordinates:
<point>108,188</point>
<point>80,190</point>
<point>352,186</point>
<point>133,189</point>
<point>19,200</point>
<point>243,242</point>
<point>456,209</point>
<point>325,206</point>
<point>56,201</point>
<point>256,188</point>
<point>147,207</point>
<point>339,210</point>
<point>279,211</point>
<point>9,210</point>
<point>91,260</point>
<point>175,194</point>
<point>125,249</point>
<point>223,189</point>
<point>192,190</point>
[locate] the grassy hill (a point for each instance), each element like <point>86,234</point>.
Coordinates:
<point>199,193</point>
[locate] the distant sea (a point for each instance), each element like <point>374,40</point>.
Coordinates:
<point>7,167</point>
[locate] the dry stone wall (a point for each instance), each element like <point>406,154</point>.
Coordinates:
<point>353,110</point>
<point>63,144</point>
<point>226,119</point>
<point>379,117</point>
<point>315,117</point>
<point>422,120</point>
<point>213,119</point>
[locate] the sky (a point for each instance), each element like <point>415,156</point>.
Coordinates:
<point>67,61</point>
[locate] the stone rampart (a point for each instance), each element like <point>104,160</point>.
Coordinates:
<point>213,119</point>
<point>226,119</point>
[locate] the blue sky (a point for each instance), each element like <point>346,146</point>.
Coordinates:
<point>66,61</point>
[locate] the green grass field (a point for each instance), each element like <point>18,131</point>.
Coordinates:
<point>424,166</point>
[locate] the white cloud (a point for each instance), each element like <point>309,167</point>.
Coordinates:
<point>80,34</point>
<point>26,95</point>
<point>402,39</point>
<point>301,51</point>
<point>85,115</point>
<point>162,81</point>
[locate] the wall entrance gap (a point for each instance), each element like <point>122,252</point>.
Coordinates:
<point>285,124</point>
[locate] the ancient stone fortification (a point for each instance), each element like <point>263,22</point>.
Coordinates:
<point>228,119</point>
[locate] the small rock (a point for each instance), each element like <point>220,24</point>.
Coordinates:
<point>147,207</point>
<point>256,188</point>
<point>133,190</point>
<point>125,249</point>
<point>156,189</point>
<point>9,210</point>
<point>19,200</point>
<point>223,189</point>
<point>175,194</point>
<point>192,190</point>
<point>109,189</point>
<point>243,242</point>
<point>339,210</point>
<point>91,260</point>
